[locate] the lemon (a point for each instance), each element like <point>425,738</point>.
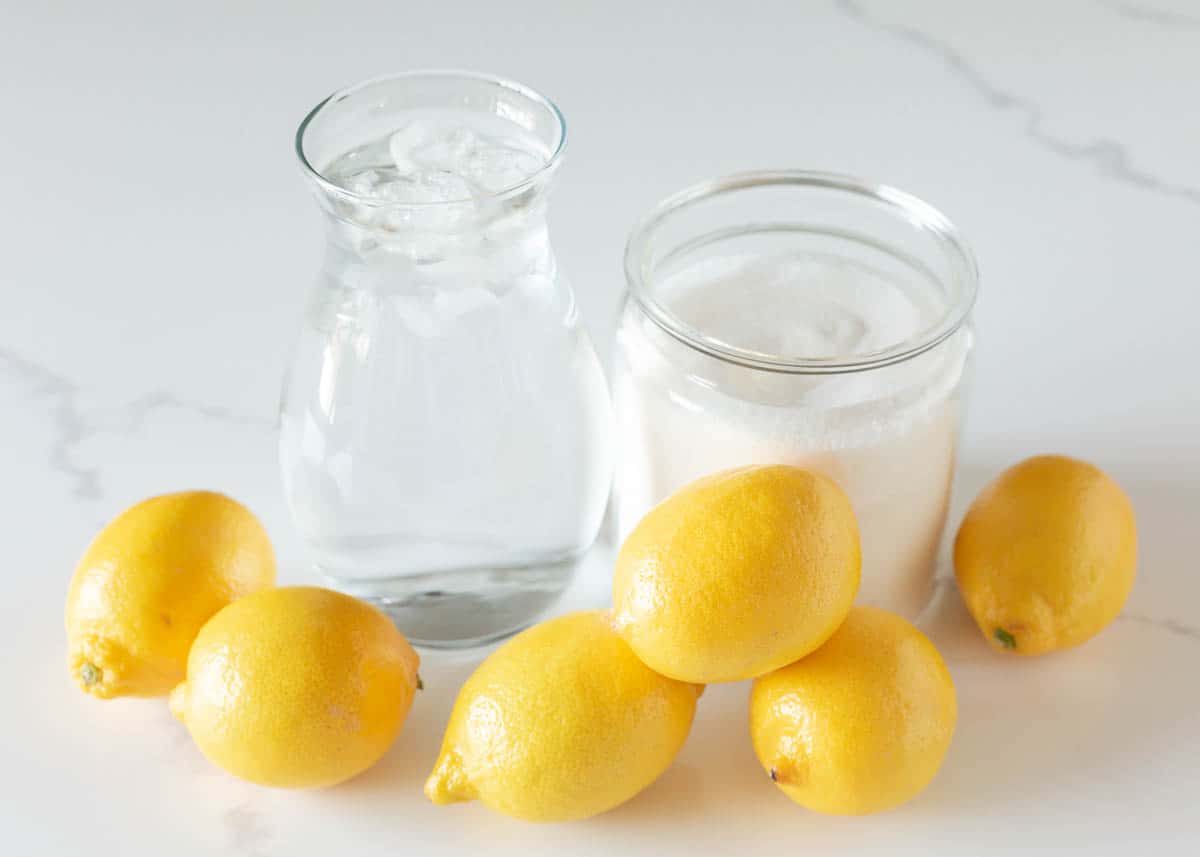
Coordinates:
<point>862,724</point>
<point>150,580</point>
<point>562,722</point>
<point>738,573</point>
<point>297,687</point>
<point>1046,555</point>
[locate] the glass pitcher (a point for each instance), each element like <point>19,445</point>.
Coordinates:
<point>445,432</point>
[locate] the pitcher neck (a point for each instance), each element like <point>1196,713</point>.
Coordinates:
<point>438,234</point>
<point>381,261</point>
<point>454,159</point>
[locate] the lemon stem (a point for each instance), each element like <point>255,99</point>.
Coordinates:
<point>1006,639</point>
<point>90,674</point>
<point>420,684</point>
<point>784,773</point>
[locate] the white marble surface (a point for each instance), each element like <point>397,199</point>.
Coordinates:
<point>157,243</point>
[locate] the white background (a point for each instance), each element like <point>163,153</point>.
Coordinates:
<point>157,242</point>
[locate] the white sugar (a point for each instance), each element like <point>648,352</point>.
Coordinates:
<point>886,435</point>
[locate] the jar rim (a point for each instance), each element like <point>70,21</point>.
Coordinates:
<point>913,209</point>
<point>338,191</point>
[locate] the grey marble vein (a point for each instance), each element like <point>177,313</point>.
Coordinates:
<point>1163,17</point>
<point>72,425</point>
<point>1173,626</point>
<point>247,834</point>
<point>1108,156</point>
<point>157,400</point>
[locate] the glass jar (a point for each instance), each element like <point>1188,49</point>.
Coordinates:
<point>445,436</point>
<point>801,318</point>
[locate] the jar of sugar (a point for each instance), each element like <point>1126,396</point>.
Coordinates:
<point>809,319</point>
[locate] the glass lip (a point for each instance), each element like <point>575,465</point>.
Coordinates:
<point>336,190</point>
<point>913,209</point>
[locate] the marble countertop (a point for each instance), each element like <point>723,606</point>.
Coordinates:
<point>158,243</point>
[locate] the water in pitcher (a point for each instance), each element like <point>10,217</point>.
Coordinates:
<point>445,432</point>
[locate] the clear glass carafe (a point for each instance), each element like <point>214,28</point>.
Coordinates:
<point>445,423</point>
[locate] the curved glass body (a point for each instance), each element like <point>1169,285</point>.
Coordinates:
<point>445,423</point>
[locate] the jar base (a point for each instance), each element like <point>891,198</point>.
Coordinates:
<point>464,608</point>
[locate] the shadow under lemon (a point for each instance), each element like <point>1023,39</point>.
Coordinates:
<point>1098,715</point>
<point>410,759</point>
<point>715,769</point>
<point>1027,727</point>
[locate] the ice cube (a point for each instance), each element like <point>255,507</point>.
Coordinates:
<point>440,222</point>
<point>424,186</point>
<point>461,141</point>
<point>363,183</point>
<point>446,149</point>
<point>404,143</point>
<point>449,304</point>
<point>415,313</point>
<point>428,314</point>
<point>489,163</point>
<point>443,186</point>
<point>495,166</point>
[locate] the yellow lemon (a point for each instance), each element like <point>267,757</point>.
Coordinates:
<point>150,580</point>
<point>297,687</point>
<point>1046,555</point>
<point>862,724</point>
<point>738,574</point>
<point>562,722</point>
